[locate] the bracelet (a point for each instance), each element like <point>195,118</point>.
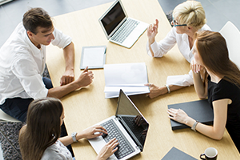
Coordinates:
<point>168,89</point>
<point>74,136</point>
<point>194,126</point>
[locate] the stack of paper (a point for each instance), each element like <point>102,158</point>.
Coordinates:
<point>130,77</point>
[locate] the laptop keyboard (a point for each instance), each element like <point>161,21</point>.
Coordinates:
<point>124,147</point>
<point>123,32</point>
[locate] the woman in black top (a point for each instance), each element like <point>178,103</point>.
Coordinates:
<point>221,86</point>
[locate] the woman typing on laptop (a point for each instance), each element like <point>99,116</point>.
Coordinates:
<point>188,18</point>
<point>39,139</point>
<point>221,86</point>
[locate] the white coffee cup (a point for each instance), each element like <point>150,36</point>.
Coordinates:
<point>210,154</point>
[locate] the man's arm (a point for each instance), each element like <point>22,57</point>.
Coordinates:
<point>84,80</point>
<point>69,54</point>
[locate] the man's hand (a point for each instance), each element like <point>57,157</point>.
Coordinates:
<point>67,77</point>
<point>85,78</point>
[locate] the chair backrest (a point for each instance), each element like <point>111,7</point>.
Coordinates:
<point>6,117</point>
<point>232,36</point>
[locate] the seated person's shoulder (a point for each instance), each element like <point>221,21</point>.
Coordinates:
<point>22,130</point>
<point>56,151</point>
<point>51,155</point>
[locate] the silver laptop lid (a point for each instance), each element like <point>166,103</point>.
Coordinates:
<point>113,18</point>
<point>132,119</point>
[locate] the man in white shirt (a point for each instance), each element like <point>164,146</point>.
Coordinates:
<point>22,62</point>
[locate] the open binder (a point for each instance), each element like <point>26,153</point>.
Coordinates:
<point>130,77</point>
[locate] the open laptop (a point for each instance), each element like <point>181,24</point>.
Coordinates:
<point>119,28</point>
<point>128,126</point>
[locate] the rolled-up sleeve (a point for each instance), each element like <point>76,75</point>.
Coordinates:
<point>61,40</point>
<point>26,71</point>
<point>162,47</point>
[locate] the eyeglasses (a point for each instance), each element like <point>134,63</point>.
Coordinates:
<point>175,23</point>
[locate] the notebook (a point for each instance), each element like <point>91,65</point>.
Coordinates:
<point>176,154</point>
<point>128,126</point>
<point>130,77</point>
<point>93,57</point>
<point>199,110</point>
<point>119,28</point>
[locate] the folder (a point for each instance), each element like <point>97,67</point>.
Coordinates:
<point>199,110</point>
<point>176,154</point>
<point>130,77</point>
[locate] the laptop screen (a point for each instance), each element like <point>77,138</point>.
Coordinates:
<point>132,120</point>
<point>113,18</point>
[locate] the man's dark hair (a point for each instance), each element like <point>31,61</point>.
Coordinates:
<point>36,17</point>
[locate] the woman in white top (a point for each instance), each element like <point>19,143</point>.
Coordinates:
<point>188,18</point>
<point>39,139</point>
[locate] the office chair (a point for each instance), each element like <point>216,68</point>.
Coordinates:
<point>232,36</point>
<point>9,130</point>
<point>6,117</point>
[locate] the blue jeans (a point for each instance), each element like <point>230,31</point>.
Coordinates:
<point>17,107</point>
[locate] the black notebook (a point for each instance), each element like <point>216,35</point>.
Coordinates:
<point>199,110</point>
<point>176,154</point>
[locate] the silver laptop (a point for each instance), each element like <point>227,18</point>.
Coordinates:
<point>128,126</point>
<point>119,28</point>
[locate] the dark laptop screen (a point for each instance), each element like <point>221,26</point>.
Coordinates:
<point>132,119</point>
<point>113,18</point>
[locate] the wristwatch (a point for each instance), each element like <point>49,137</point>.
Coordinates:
<point>74,136</point>
<point>194,126</point>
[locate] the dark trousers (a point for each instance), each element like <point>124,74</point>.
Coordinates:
<point>17,107</point>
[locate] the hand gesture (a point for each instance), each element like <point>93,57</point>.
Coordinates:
<point>178,115</point>
<point>67,77</point>
<point>93,132</point>
<point>85,78</point>
<point>108,149</point>
<point>152,31</point>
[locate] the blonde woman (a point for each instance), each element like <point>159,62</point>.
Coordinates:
<point>188,18</point>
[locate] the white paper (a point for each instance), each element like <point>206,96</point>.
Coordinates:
<point>130,77</point>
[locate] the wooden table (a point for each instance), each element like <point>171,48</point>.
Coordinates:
<point>88,106</point>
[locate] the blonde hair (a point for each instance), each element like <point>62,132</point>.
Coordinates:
<point>190,13</point>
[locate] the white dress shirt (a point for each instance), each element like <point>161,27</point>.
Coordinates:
<point>162,47</point>
<point>57,151</point>
<point>22,65</point>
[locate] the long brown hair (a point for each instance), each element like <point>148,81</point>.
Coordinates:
<point>213,50</point>
<point>42,129</point>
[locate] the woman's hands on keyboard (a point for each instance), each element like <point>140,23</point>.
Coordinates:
<point>108,149</point>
